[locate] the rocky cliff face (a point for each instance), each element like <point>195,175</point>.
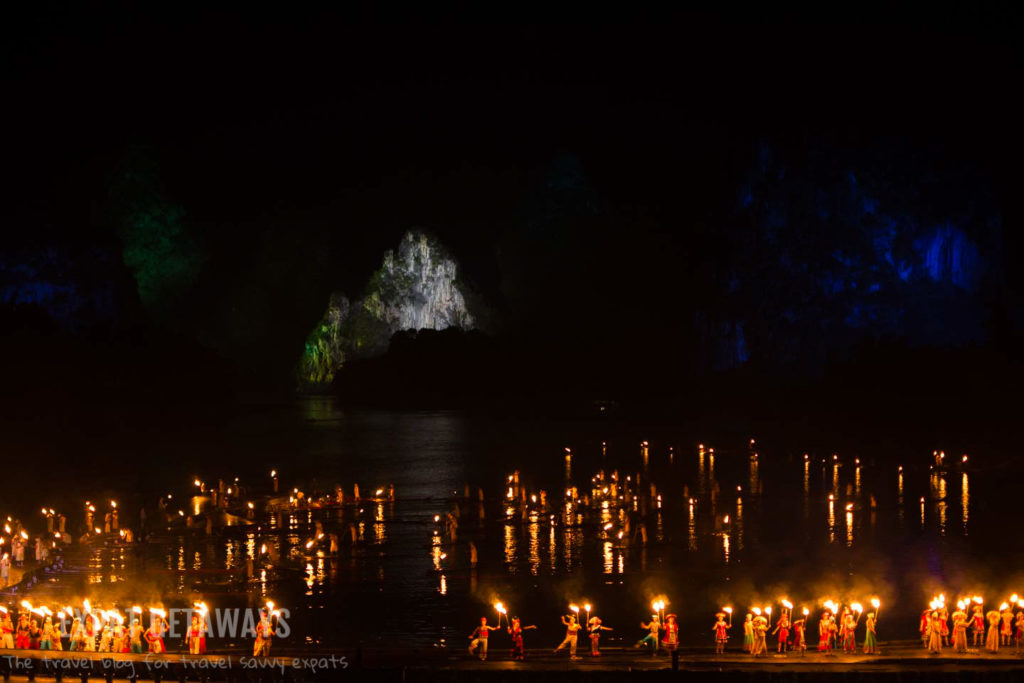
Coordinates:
<point>415,288</point>
<point>851,246</point>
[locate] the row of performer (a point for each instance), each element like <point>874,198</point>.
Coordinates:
<point>663,633</point>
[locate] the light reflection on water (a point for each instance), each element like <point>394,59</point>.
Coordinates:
<point>420,585</point>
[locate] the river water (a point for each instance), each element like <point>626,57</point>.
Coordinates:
<point>760,525</point>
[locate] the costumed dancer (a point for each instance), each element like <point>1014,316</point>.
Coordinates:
<point>478,639</point>
<point>748,634</point>
<point>1018,632</point>
<point>21,640</point>
<point>77,639</point>
<point>515,629</point>
<point>935,633</point>
<point>195,636</point>
<point>120,639</point>
<point>35,634</point>
<point>782,628</point>
<point>992,639</point>
<point>849,632</point>
<point>49,634</point>
<point>978,625</point>
<point>90,632</point>
<point>155,635</point>
<point>595,635</point>
<point>944,625</point>
<point>800,635</point>
<point>825,632</point>
<point>572,630</point>
<point>1006,628</point>
<point>106,638</point>
<point>671,639</point>
<point>960,631</point>
<point>870,634</point>
<point>134,637</point>
<point>721,630</point>
<point>265,635</point>
<point>925,627</point>
<point>760,636</point>
<point>7,632</point>
<point>654,629</point>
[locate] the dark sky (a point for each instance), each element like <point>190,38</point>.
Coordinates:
<point>295,107</point>
<point>359,126</point>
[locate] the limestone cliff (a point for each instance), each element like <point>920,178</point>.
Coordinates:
<point>415,288</point>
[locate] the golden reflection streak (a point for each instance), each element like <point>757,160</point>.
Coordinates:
<point>692,527</point>
<point>942,506</point>
<point>831,520</point>
<point>965,500</point>
<point>534,531</point>
<point>510,548</point>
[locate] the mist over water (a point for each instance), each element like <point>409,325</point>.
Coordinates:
<point>783,536</point>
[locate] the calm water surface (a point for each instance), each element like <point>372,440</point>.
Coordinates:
<point>758,527</point>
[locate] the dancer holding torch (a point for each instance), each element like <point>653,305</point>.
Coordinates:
<point>515,630</point>
<point>572,629</point>
<point>478,639</point>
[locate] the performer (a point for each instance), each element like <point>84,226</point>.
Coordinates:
<point>748,634</point>
<point>155,636</point>
<point>654,628</point>
<point>265,635</point>
<point>106,638</point>
<point>671,639</point>
<point>760,637</point>
<point>782,628</point>
<point>992,639</point>
<point>7,632</point>
<point>721,629</point>
<point>935,633</point>
<point>850,630</point>
<point>196,636</point>
<point>134,636</point>
<point>926,627</point>
<point>825,632</point>
<point>34,635</point>
<point>516,631</point>
<point>944,625</point>
<point>22,640</point>
<point>1018,632</point>
<point>77,639</point>
<point>90,633</point>
<point>870,635</point>
<point>960,631</point>
<point>119,639</point>
<point>978,625</point>
<point>571,632</point>
<point>799,635</point>
<point>46,640</point>
<point>1006,630</point>
<point>595,635</point>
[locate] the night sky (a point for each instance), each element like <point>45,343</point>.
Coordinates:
<point>300,144</point>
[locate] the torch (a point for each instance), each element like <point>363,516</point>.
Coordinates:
<point>768,611</point>
<point>728,610</point>
<point>877,604</point>
<point>500,609</point>
<point>788,607</point>
<point>586,607</point>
